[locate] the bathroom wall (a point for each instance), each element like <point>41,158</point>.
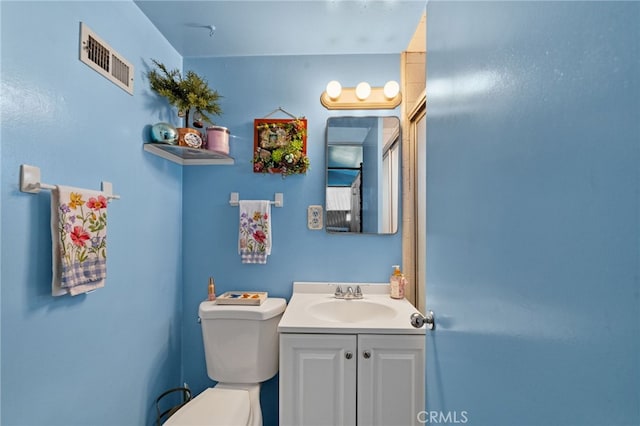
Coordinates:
<point>533,212</point>
<point>102,358</point>
<point>252,88</point>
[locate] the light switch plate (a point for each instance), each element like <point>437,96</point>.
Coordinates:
<point>314,217</point>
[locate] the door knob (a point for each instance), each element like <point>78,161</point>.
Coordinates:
<point>348,355</point>
<point>418,320</point>
<point>430,320</point>
<point>366,354</point>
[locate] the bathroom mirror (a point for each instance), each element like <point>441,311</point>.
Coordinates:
<point>363,174</point>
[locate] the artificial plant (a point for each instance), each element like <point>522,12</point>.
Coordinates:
<point>185,93</point>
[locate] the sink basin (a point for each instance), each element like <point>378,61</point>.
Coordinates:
<point>350,311</point>
<point>313,309</point>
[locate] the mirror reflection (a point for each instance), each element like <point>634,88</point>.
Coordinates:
<point>363,174</point>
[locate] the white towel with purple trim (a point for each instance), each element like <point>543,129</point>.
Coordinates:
<point>254,242</point>
<point>79,240</point>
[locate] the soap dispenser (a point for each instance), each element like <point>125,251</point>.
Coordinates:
<point>397,283</point>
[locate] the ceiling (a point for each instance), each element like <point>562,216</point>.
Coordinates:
<point>290,27</point>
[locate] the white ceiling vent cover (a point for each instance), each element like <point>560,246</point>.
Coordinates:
<point>102,58</point>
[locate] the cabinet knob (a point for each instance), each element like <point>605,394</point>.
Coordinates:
<point>366,354</point>
<point>348,355</point>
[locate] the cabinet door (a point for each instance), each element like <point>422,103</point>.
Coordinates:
<point>390,379</point>
<point>317,379</point>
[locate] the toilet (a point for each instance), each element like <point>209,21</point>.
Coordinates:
<point>241,350</point>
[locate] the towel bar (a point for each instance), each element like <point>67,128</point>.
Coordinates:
<point>30,182</point>
<point>234,199</point>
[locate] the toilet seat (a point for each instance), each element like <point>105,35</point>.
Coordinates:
<point>217,406</point>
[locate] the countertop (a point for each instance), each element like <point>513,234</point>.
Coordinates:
<point>297,317</point>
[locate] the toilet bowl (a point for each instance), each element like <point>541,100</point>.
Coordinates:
<point>222,405</point>
<point>241,351</point>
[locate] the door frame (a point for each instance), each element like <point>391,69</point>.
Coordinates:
<point>413,251</point>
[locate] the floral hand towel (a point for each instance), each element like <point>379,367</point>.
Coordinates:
<point>254,244</point>
<point>79,237</point>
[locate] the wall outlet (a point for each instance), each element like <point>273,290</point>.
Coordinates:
<point>314,217</point>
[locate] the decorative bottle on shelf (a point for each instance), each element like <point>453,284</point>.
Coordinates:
<point>397,282</point>
<point>212,289</point>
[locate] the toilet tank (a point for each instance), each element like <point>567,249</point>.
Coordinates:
<point>241,342</point>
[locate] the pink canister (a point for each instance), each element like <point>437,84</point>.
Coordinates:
<point>218,139</point>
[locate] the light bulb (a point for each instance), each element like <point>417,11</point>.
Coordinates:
<point>391,89</point>
<point>334,89</point>
<point>363,90</point>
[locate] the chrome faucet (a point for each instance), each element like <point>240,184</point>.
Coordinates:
<point>358,293</point>
<point>349,294</point>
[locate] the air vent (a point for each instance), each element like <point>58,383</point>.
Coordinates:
<point>103,59</point>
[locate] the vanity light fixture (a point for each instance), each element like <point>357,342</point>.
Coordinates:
<point>391,89</point>
<point>363,90</point>
<point>363,96</point>
<point>334,89</point>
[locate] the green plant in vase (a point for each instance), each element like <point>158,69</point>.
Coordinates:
<point>186,93</point>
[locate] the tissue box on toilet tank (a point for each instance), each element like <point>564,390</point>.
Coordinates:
<point>218,139</point>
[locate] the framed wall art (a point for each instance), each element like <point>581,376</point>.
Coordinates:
<point>280,146</point>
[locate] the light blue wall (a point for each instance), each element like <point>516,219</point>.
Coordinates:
<point>533,234</point>
<point>102,358</point>
<point>115,350</point>
<point>533,220</point>
<point>252,88</point>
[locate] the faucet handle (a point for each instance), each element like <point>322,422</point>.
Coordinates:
<point>339,293</point>
<point>358,292</point>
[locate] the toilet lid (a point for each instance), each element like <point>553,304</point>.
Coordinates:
<point>214,407</point>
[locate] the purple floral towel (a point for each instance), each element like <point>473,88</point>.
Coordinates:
<point>79,237</point>
<point>254,242</point>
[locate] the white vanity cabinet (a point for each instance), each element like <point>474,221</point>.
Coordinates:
<point>351,379</point>
<point>317,379</point>
<point>391,379</point>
